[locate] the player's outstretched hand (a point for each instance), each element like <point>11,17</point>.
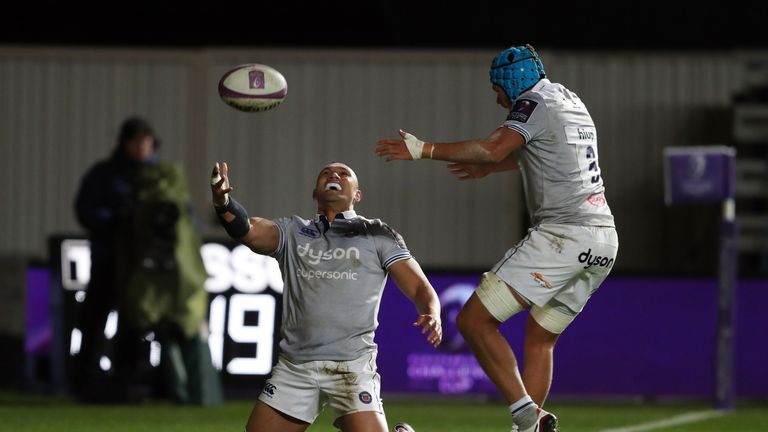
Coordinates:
<point>220,187</point>
<point>469,171</point>
<point>431,324</point>
<point>407,148</point>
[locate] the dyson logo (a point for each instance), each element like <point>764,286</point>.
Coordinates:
<point>316,256</point>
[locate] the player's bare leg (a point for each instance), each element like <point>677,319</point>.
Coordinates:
<point>264,418</point>
<point>538,360</point>
<point>481,331</point>
<point>366,421</point>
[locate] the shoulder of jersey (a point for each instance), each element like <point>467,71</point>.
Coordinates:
<point>374,226</point>
<point>551,94</point>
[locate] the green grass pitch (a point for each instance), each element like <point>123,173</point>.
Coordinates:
<point>21,413</point>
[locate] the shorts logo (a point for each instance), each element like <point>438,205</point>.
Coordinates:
<point>309,232</point>
<point>269,389</point>
<point>539,278</point>
<point>597,261</point>
<point>365,397</point>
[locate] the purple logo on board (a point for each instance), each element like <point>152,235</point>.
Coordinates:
<point>453,373</point>
<point>699,174</point>
<point>256,79</point>
<point>455,370</point>
<point>452,300</point>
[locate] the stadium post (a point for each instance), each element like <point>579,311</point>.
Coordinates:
<point>707,174</point>
<point>728,270</point>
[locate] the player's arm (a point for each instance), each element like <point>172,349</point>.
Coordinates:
<point>493,149</point>
<point>412,281</point>
<point>260,235</point>
<point>468,171</point>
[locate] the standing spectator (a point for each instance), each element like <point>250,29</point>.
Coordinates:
<point>146,264</point>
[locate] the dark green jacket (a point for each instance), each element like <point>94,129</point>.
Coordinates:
<point>160,272</point>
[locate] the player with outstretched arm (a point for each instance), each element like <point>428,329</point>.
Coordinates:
<point>550,137</point>
<point>335,267</point>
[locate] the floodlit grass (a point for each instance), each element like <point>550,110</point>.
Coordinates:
<point>57,414</point>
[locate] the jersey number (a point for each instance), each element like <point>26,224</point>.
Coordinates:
<point>584,140</point>
<point>593,170</point>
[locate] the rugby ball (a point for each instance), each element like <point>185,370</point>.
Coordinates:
<point>253,87</point>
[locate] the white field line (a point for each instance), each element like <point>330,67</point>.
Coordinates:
<point>691,417</point>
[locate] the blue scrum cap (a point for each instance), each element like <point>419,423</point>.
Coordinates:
<point>516,70</point>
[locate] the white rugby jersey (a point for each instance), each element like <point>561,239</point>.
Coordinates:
<point>334,277</point>
<point>559,161</point>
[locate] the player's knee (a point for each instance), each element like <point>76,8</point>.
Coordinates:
<point>539,346</point>
<point>464,322</point>
<point>475,319</point>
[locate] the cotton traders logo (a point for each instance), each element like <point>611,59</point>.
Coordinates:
<point>597,261</point>
<point>316,256</point>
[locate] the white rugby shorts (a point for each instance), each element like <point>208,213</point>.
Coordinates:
<point>302,390</point>
<point>564,263</point>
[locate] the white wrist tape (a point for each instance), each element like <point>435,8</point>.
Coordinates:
<point>215,179</point>
<point>415,145</point>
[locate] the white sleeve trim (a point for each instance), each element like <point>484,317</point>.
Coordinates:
<point>395,258</point>
<point>520,130</point>
<point>281,242</point>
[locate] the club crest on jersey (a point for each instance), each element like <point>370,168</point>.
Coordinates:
<point>365,397</point>
<point>309,232</point>
<point>522,110</point>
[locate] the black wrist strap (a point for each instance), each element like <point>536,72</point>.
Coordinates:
<point>233,218</point>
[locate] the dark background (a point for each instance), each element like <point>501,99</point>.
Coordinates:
<point>653,25</point>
